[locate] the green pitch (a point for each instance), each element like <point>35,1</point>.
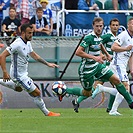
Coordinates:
<point>86,121</point>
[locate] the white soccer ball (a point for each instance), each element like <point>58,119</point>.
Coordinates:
<point>59,88</point>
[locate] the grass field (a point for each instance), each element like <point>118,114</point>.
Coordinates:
<point>86,121</point>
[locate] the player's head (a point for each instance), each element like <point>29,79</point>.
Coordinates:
<point>98,24</point>
<point>114,25</point>
<point>130,26</point>
<point>26,32</point>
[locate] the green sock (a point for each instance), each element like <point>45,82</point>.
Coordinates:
<point>122,90</point>
<point>75,91</point>
<point>111,101</point>
<point>81,98</point>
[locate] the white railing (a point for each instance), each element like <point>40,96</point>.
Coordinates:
<point>64,11</point>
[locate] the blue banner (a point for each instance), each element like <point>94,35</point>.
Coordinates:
<point>77,24</point>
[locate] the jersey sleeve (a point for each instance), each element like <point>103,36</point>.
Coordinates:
<point>13,48</point>
<point>85,43</point>
<point>120,38</point>
<point>105,38</point>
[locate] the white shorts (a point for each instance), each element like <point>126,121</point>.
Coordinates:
<point>26,84</point>
<point>120,72</point>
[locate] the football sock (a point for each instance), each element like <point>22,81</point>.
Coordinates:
<point>10,84</point>
<point>75,91</point>
<point>122,90</point>
<point>41,105</point>
<point>117,102</point>
<point>81,98</point>
<point>111,101</point>
<point>109,90</point>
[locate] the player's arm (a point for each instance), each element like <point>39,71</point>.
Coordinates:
<point>80,52</point>
<point>3,56</point>
<point>36,57</point>
<point>131,65</point>
<point>109,57</point>
<point>117,48</point>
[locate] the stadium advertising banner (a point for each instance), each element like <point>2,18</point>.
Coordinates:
<point>12,99</point>
<point>77,24</point>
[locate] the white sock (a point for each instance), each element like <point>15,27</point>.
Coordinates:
<point>117,102</point>
<point>109,90</point>
<point>10,84</point>
<point>41,105</point>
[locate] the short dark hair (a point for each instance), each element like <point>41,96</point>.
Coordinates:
<point>39,9</point>
<point>114,19</point>
<point>97,19</point>
<point>25,26</point>
<point>12,8</point>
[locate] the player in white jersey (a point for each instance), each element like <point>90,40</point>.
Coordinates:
<point>18,79</point>
<point>123,55</point>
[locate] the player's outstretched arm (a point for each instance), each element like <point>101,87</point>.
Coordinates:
<point>3,56</point>
<point>35,56</point>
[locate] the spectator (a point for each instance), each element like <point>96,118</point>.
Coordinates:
<point>11,24</point>
<point>40,23</point>
<point>22,9</point>
<point>33,5</point>
<point>123,4</point>
<point>47,13</point>
<point>55,7</point>
<point>3,6</point>
<point>71,4</point>
<point>87,5</point>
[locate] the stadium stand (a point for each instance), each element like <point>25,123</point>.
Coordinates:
<point>100,4</point>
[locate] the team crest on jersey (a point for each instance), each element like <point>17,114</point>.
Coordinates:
<point>95,47</point>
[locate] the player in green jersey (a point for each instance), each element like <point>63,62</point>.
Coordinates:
<point>108,40</point>
<point>92,65</point>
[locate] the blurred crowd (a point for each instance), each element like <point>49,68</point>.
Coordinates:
<point>42,13</point>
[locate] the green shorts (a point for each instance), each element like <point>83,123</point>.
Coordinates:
<point>101,72</point>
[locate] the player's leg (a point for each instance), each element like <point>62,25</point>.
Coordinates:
<point>110,103</point>
<point>105,73</point>
<point>87,84</point>
<point>28,85</point>
<point>100,88</point>
<point>117,102</point>
<point>122,90</point>
<point>40,103</point>
<point>108,74</point>
<point>118,99</point>
<point>10,84</point>
<point>81,98</point>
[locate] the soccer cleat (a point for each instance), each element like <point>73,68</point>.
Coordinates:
<point>108,110</point>
<point>60,97</point>
<point>53,114</point>
<point>131,105</point>
<point>114,113</point>
<point>75,105</point>
<point>96,91</point>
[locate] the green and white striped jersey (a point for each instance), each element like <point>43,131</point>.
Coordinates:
<point>108,40</point>
<point>91,44</point>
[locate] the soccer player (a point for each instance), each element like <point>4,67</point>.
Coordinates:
<point>108,40</point>
<point>92,65</point>
<point>123,55</point>
<point>18,79</point>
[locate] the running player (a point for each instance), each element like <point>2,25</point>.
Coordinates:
<point>108,40</point>
<point>123,54</point>
<point>92,65</point>
<point>18,79</point>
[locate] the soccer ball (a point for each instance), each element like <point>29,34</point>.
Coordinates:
<point>59,88</point>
